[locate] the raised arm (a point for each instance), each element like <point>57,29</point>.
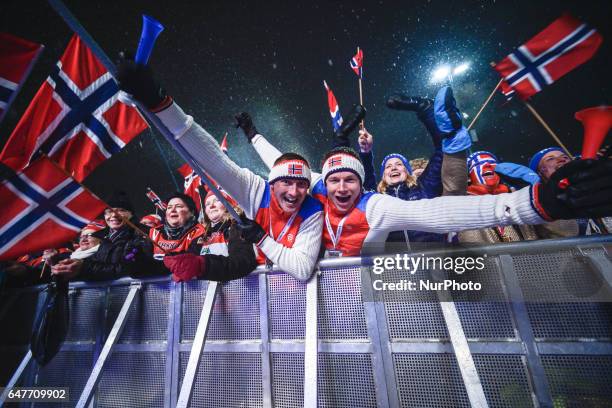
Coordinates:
<point>242,184</point>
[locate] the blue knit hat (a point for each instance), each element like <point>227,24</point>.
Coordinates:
<point>395,156</point>
<point>535,160</point>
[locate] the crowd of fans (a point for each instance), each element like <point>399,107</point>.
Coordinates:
<point>298,215</point>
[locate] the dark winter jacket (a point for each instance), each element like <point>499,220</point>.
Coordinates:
<point>108,263</point>
<point>429,185</point>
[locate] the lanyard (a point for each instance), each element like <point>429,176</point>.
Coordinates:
<point>285,228</point>
<point>334,237</point>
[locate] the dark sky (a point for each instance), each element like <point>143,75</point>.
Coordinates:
<point>269,59</point>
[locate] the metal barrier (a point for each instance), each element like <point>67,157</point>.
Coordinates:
<point>269,340</point>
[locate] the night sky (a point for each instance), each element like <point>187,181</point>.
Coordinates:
<point>270,59</point>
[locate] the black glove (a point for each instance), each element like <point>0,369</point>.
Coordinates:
<point>138,81</point>
<point>579,189</point>
<point>244,122</point>
<point>251,231</point>
<point>351,121</point>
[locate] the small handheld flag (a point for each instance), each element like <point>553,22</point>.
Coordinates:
<point>334,109</point>
<point>356,63</point>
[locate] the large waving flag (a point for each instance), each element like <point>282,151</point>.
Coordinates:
<point>559,48</point>
<point>75,118</point>
<point>17,56</point>
<point>356,63</point>
<point>42,207</point>
<point>334,109</point>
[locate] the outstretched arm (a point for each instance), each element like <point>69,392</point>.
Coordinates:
<point>446,214</point>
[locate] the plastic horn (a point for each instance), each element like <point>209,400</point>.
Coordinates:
<point>597,122</point>
<point>150,30</point>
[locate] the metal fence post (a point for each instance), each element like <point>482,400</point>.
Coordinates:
<point>197,346</point>
<point>521,317</point>
<point>311,346</point>
<point>114,335</point>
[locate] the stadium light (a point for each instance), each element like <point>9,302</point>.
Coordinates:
<point>440,74</point>
<point>460,69</point>
<point>446,72</point>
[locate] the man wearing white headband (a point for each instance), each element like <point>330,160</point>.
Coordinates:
<point>288,221</point>
<point>352,217</point>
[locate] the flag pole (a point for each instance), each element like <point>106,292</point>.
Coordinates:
<point>61,9</point>
<point>548,129</point>
<point>485,103</point>
<point>362,124</point>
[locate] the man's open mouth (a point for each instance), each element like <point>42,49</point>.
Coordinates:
<point>343,199</point>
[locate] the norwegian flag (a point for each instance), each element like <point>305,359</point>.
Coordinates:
<point>296,169</point>
<point>75,118</point>
<point>42,207</point>
<point>157,202</point>
<point>559,48</point>
<point>17,56</point>
<point>334,109</point>
<point>224,143</point>
<point>335,161</point>
<point>356,63</point>
<point>192,184</point>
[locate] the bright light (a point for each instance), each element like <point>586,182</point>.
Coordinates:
<point>460,69</point>
<point>440,74</point>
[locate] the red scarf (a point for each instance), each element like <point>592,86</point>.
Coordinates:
<point>480,189</point>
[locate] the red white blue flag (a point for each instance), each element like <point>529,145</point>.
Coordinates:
<point>334,109</point>
<point>42,207</point>
<point>559,48</point>
<point>17,56</point>
<point>356,63</point>
<point>192,184</point>
<point>75,118</point>
<point>154,198</point>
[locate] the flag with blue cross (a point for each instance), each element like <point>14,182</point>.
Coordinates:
<point>42,207</point>
<point>562,46</point>
<point>76,117</point>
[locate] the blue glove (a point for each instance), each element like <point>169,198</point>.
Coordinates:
<point>517,171</point>
<point>448,120</point>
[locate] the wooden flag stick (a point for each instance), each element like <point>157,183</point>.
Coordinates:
<point>42,272</point>
<point>486,103</point>
<point>548,129</point>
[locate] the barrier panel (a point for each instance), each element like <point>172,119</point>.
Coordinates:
<point>513,344</point>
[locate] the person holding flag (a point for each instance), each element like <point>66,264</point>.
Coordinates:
<point>368,217</point>
<point>108,262</point>
<point>288,222</point>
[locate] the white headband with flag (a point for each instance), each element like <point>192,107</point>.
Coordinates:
<point>343,162</point>
<point>294,169</point>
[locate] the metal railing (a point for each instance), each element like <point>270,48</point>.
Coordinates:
<point>269,340</point>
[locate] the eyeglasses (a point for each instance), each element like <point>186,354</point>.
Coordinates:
<point>85,236</point>
<point>110,211</point>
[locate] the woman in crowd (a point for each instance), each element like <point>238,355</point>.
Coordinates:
<point>190,250</point>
